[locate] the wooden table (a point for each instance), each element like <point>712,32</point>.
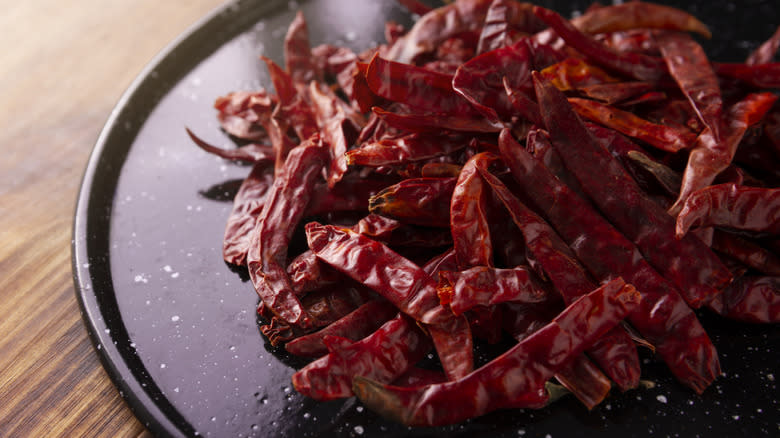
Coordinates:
<point>63,67</point>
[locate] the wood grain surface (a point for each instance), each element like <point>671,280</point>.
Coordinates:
<point>63,66</point>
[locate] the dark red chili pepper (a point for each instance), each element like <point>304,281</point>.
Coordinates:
<point>308,273</point>
<point>356,325</point>
<point>709,157</point>
<point>404,149</point>
<point>416,7</point>
<point>751,299</point>
<point>421,89</point>
<point>747,252</point>
<point>616,354</point>
<point>638,15</point>
<point>690,68</point>
<point>496,31</point>
<point>429,122</point>
<point>329,304</point>
<point>438,25</point>
<point>405,285</point>
<point>759,75</point>
<point>663,318</point>
<point>514,379</point>
<point>574,73</point>
<point>523,105</point>
<point>298,59</point>
<point>619,197</point>
<point>766,51</point>
<point>731,206</point>
<point>383,355</point>
<point>397,234</point>
<point>486,286</point>
<point>284,207</point>
<point>440,170</point>
<point>420,376</point>
<point>469,221</point>
<point>419,201</point>
<point>248,204</point>
<point>244,114</point>
<point>638,66</point>
<point>293,108</point>
<point>613,93</point>
<point>250,153</point>
<point>480,80</point>
<point>663,137</point>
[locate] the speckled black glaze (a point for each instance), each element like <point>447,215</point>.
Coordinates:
<point>175,326</point>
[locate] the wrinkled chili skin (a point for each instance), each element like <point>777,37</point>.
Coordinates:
<point>751,299</point>
<point>298,59</point>
<point>402,283</point>
<point>747,252</point>
<point>691,69</point>
<point>619,197</point>
<point>662,317</point>
<point>419,201</point>
<point>709,156</point>
<point>766,51</point>
<point>663,137</point>
<point>485,286</point>
<point>284,207</point>
<point>514,379</point>
<point>383,355</point>
<point>469,222</point>
<point>615,353</point>
<point>638,66</point>
<point>758,76</point>
<point>247,206</point>
<point>731,206</point>
<point>354,326</point>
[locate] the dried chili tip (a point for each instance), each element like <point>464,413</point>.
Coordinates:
<point>250,153</point>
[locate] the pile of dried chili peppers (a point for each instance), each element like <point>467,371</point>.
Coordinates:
<point>500,171</point>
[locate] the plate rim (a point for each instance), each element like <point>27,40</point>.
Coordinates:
<point>140,402</point>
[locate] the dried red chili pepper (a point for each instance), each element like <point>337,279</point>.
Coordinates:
<point>244,114</point>
<point>356,325</point>
<point>709,156</point>
<point>731,206</point>
<point>663,318</point>
<point>615,353</point>
<point>469,222</point>
<point>486,286</point>
<point>751,299</point>
<point>638,66</point>
<point>397,234</point>
<point>663,137</point>
<point>283,209</point>
<point>689,66</point>
<point>429,122</point>
<point>298,59</point>
<point>420,201</point>
<point>248,204</point>
<point>766,51</point>
<point>293,107</point>
<point>404,149</point>
<point>759,75</point>
<point>617,92</point>
<point>405,285</point>
<point>419,88</point>
<point>514,379</point>
<point>250,153</point>
<point>747,252</point>
<point>623,202</point>
<point>638,15</point>
<point>383,355</point>
<point>308,273</point>
<point>574,73</point>
<point>338,124</point>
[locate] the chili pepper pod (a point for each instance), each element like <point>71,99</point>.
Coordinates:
<point>514,379</point>
<point>420,201</point>
<point>616,354</point>
<point>751,299</point>
<point>731,206</point>
<point>486,286</point>
<point>766,51</point>
<point>663,317</point>
<point>354,326</point>
<point>618,196</point>
<point>709,156</point>
<point>401,282</point>
<point>384,355</point>
<point>284,207</point>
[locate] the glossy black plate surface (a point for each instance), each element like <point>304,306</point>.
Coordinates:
<point>175,326</point>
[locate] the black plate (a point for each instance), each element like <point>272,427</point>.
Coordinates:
<point>175,326</point>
